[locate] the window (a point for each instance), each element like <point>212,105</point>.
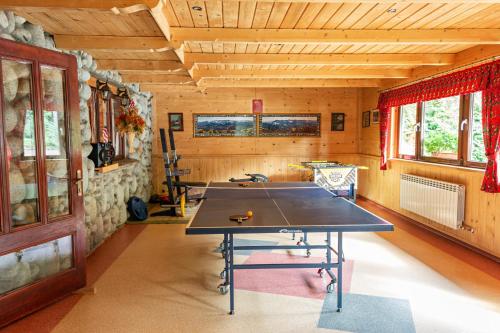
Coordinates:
<point>476,142</point>
<point>446,130</point>
<point>102,114</point>
<point>440,128</point>
<point>407,137</point>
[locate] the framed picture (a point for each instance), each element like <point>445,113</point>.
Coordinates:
<point>366,119</point>
<point>224,125</point>
<point>176,121</point>
<point>276,125</point>
<point>375,116</point>
<point>338,120</point>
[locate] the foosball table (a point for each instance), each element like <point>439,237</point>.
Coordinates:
<point>340,179</point>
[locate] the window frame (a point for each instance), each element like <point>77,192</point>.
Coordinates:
<point>463,137</point>
<point>95,102</point>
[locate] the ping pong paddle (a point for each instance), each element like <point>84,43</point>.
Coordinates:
<point>238,218</point>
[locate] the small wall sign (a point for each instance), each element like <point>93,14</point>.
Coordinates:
<point>338,121</point>
<point>257,106</point>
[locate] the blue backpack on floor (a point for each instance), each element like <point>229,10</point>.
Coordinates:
<point>137,209</point>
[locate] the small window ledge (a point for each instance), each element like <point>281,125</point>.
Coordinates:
<point>439,164</point>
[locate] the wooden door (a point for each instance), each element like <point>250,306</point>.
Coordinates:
<point>42,233</point>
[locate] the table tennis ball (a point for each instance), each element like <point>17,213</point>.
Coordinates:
<point>249,213</point>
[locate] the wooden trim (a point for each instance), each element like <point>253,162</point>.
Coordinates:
<point>467,134</point>
<point>397,122</point>
<point>3,164</point>
<point>418,134</point>
<point>464,139</point>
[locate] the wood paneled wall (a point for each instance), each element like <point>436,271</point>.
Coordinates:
<point>482,210</point>
<point>222,158</point>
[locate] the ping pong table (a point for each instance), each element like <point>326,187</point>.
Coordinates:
<point>292,207</point>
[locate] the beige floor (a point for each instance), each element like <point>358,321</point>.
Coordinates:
<point>165,282</point>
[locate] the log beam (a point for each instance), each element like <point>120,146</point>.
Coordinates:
<point>352,37</point>
<point>385,59</point>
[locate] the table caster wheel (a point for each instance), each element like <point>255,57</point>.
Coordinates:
<point>339,310</point>
<point>321,272</point>
<point>223,288</point>
<point>308,253</point>
<point>330,287</point>
<point>231,312</point>
<point>223,275</point>
<point>298,243</point>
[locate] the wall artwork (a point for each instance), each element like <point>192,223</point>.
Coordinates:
<point>176,121</point>
<point>366,119</point>
<point>375,116</point>
<point>224,125</point>
<point>276,125</point>
<point>338,120</point>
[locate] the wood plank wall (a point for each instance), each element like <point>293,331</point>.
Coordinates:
<point>482,210</point>
<point>222,158</point>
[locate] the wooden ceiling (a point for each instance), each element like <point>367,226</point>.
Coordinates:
<point>282,43</point>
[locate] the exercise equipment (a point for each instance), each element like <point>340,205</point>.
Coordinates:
<point>178,192</point>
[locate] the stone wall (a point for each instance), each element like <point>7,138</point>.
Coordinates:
<point>106,195</point>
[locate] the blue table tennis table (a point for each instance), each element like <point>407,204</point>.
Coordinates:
<point>292,207</point>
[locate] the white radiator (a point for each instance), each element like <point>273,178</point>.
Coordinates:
<point>438,201</point>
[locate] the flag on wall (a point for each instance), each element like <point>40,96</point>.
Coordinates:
<point>104,135</point>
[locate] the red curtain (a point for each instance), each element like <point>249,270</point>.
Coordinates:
<point>385,124</point>
<point>491,131</point>
<point>484,78</point>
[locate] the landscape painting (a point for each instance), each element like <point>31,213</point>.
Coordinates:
<point>224,125</point>
<point>289,125</point>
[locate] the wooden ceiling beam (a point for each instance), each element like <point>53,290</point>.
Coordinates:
<point>385,59</point>
<point>73,42</point>
<point>302,74</point>
<point>353,37</point>
<point>76,4</point>
<point>99,4</point>
<point>287,83</point>
<point>157,78</point>
<point>140,65</point>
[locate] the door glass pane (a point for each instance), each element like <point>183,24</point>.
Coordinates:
<point>476,142</point>
<point>56,150</point>
<point>440,127</point>
<point>18,269</point>
<point>408,120</point>
<point>19,129</point>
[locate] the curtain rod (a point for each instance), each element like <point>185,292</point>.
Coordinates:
<point>472,64</point>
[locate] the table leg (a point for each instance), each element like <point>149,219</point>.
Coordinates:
<point>339,273</point>
<point>328,250</point>
<point>226,260</point>
<point>231,274</point>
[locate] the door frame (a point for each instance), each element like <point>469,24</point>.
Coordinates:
<point>20,302</point>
